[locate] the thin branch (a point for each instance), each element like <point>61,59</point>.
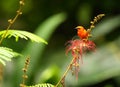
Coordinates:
<point>11,21</point>
<point>65,73</point>
<point>95,20</point>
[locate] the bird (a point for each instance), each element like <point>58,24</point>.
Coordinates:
<point>82,32</point>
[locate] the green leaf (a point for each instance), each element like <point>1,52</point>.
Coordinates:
<point>6,54</point>
<point>3,62</point>
<point>42,85</point>
<point>22,34</point>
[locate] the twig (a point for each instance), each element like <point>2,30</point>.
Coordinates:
<point>11,21</point>
<point>64,75</point>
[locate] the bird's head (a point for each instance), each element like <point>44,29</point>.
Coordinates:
<point>79,28</point>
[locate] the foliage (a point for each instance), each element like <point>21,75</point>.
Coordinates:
<point>17,34</point>
<point>100,67</point>
<point>6,54</point>
<point>45,30</point>
<point>42,85</point>
<point>22,34</point>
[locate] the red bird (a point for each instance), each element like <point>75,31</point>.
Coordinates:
<point>82,33</point>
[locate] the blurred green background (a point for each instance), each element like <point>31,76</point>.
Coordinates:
<point>55,20</point>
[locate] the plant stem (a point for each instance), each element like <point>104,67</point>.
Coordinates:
<point>11,21</point>
<point>65,73</point>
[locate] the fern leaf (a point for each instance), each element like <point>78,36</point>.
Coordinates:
<point>42,85</point>
<point>22,34</point>
<point>6,54</point>
<point>3,62</point>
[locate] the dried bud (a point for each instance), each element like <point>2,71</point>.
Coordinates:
<point>24,69</point>
<point>92,22</point>
<point>22,85</point>
<point>19,12</point>
<point>10,21</point>
<point>25,76</point>
<point>21,2</point>
<point>88,30</point>
<point>92,26</point>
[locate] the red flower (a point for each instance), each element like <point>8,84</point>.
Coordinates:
<point>77,48</point>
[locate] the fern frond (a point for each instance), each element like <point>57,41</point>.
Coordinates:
<point>6,54</point>
<point>42,85</point>
<point>22,34</point>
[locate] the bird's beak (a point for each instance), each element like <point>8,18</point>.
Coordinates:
<point>76,27</point>
<point>79,27</point>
